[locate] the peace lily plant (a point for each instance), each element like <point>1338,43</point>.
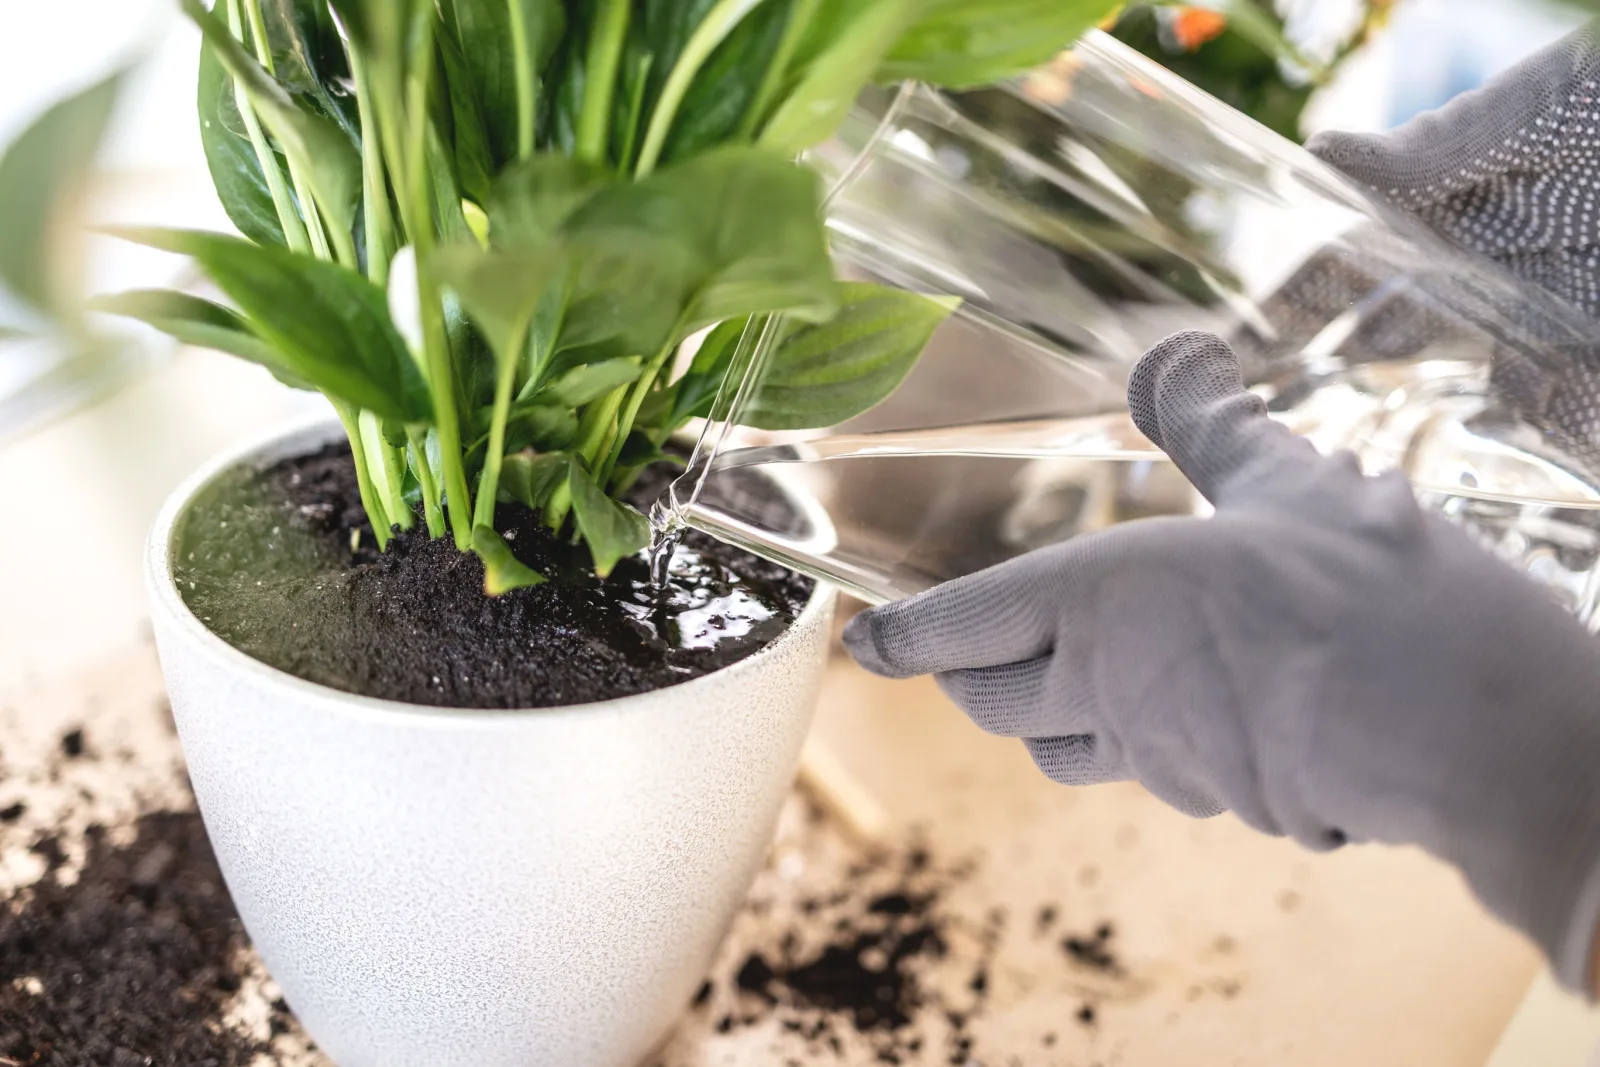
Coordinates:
<point>487,230</point>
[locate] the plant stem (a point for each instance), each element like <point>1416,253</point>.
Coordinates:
<point>489,480</point>
<point>777,72</point>
<point>386,471</point>
<point>600,79</point>
<point>430,489</point>
<point>418,205</point>
<point>527,80</point>
<point>718,23</point>
<point>294,232</point>
<point>377,220</point>
<point>308,203</point>
<point>369,498</point>
<point>636,398</point>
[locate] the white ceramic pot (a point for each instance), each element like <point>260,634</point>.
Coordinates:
<point>436,887</point>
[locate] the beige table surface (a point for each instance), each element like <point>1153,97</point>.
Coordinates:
<point>1230,948</point>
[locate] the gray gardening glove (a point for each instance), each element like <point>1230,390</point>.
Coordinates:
<point>1320,657</point>
<point>1512,170</point>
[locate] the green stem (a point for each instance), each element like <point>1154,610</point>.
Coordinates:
<point>369,498</point>
<point>716,26</point>
<point>430,489</point>
<point>386,471</point>
<point>527,80</point>
<point>377,220</point>
<point>302,190</point>
<point>294,232</point>
<point>778,70</point>
<point>489,481</point>
<point>600,79</point>
<point>640,391</point>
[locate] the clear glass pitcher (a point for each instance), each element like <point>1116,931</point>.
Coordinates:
<point>1085,213</point>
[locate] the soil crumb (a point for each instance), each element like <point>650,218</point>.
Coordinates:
<point>281,564</point>
<point>130,965</point>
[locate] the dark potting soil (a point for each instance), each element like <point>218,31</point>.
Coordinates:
<point>131,965</point>
<point>281,564</point>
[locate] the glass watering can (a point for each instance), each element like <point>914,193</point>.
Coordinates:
<point>1080,216</point>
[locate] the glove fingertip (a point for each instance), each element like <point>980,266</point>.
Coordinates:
<point>1172,375</point>
<point>861,641</point>
<point>1362,156</point>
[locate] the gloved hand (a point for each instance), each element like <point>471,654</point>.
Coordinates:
<point>1320,657</point>
<point>1511,170</point>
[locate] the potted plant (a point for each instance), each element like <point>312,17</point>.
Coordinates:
<point>482,792</point>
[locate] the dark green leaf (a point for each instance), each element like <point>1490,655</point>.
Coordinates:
<point>826,374</point>
<point>533,198</point>
<point>833,80</point>
<point>589,382</point>
<point>727,85</point>
<point>540,427</point>
<point>484,31</point>
<point>697,389</point>
<point>639,450</point>
<point>612,529</point>
<point>963,43</point>
<point>502,571</point>
<point>315,144</point>
<point>194,321</point>
<point>627,290</point>
<point>330,325</point>
<point>40,175</point>
<point>469,134</point>
<point>235,167</point>
<point>748,217</point>
<point>533,479</point>
<point>309,59</point>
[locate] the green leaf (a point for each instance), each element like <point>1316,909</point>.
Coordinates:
<point>728,83</point>
<point>639,450</point>
<point>484,31</point>
<point>500,289</point>
<point>469,134</point>
<point>42,173</point>
<point>502,571</point>
<point>589,382</point>
<point>235,167</point>
<point>833,80</point>
<point>540,427</point>
<point>825,374</point>
<point>697,390</point>
<point>309,59</point>
<point>965,43</point>
<point>329,324</point>
<point>749,220</point>
<point>532,199</point>
<point>194,321</point>
<point>532,479</point>
<point>612,529</point>
<point>317,146</point>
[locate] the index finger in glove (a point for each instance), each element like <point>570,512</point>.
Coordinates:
<point>1188,397</point>
<point>982,620</point>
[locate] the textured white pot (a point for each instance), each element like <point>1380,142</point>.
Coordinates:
<point>445,888</point>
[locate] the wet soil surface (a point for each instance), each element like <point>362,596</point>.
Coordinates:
<point>281,564</point>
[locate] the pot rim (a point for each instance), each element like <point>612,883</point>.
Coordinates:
<point>163,592</point>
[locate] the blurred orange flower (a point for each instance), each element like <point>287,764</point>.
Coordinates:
<point>1194,26</point>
